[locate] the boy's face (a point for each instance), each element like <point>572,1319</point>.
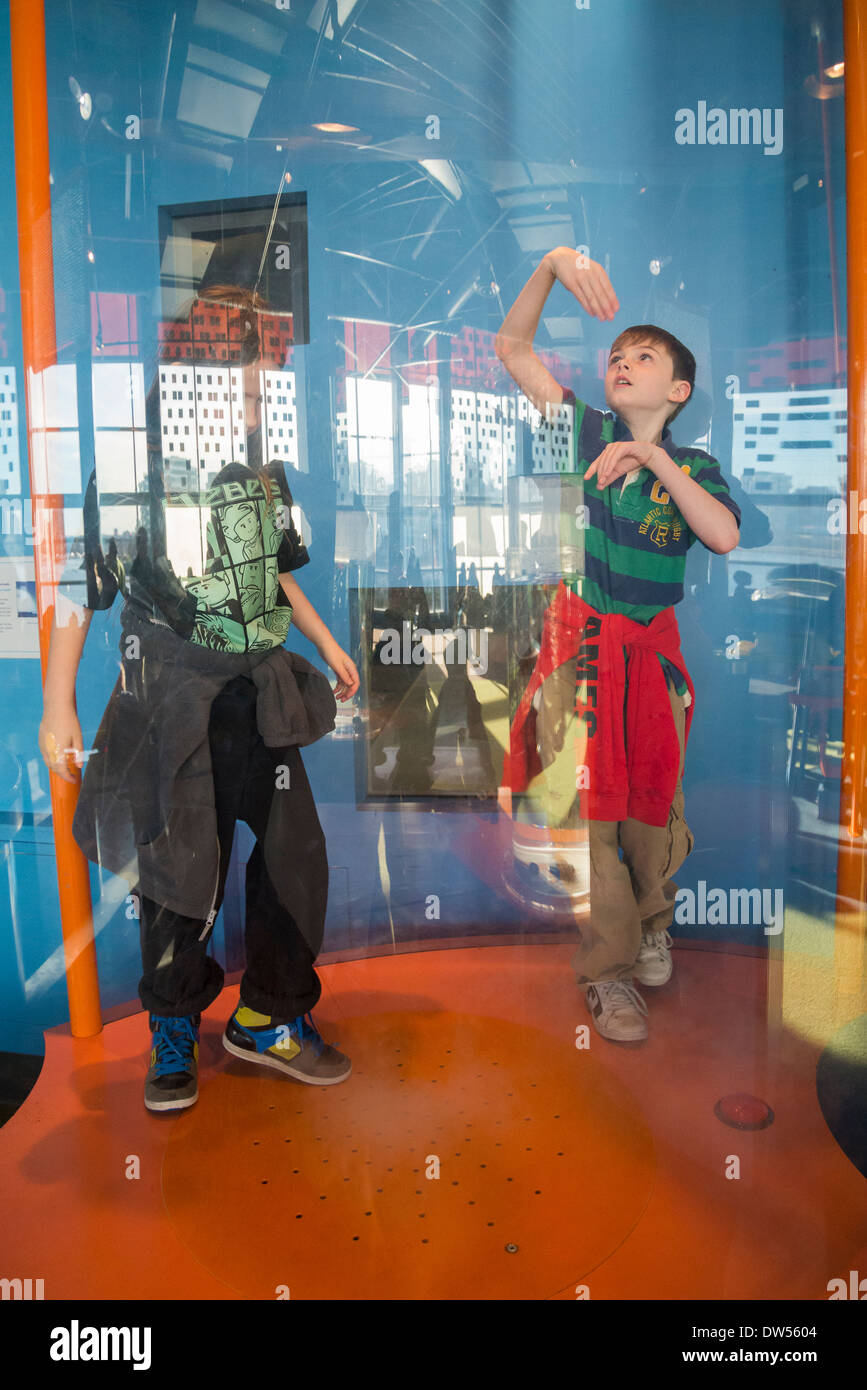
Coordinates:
<point>640,376</point>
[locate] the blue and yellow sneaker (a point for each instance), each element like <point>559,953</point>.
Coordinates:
<point>292,1047</point>
<point>172,1079</point>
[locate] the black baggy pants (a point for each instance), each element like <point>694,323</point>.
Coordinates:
<point>179,977</point>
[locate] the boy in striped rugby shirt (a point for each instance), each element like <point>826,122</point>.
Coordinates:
<point>610,678</point>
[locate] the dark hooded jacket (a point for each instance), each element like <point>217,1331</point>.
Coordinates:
<point>146,808</point>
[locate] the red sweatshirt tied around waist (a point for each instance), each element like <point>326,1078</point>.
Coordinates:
<point>632,757</point>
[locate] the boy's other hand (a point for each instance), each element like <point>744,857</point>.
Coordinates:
<point>616,460</point>
<point>59,740</point>
<point>585,279</point>
<point>344,669</point>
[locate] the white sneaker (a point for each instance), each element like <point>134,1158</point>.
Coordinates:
<point>653,965</point>
<point>617,1009</point>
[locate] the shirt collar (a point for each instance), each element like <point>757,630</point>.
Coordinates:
<point>622,432</point>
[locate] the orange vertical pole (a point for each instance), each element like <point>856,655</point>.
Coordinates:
<point>36,265</point>
<point>851,933</point>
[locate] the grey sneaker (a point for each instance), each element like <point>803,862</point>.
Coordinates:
<point>617,1010</point>
<point>653,964</point>
<point>296,1048</point>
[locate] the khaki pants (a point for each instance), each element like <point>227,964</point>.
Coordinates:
<point>628,896</point>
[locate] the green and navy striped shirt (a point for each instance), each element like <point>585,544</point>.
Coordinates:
<point>635,538</point>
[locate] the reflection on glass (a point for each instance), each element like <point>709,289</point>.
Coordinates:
<point>444,502</point>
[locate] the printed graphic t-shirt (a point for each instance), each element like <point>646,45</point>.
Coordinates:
<point>232,599</point>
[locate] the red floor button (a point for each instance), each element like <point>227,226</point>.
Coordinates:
<point>743,1111</point>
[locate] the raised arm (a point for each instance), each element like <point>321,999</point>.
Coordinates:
<point>587,281</point>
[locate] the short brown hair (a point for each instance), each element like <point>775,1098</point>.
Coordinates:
<point>251,306</point>
<point>682,359</point>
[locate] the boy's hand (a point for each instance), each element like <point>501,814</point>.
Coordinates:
<point>619,459</point>
<point>59,739</point>
<point>585,279</point>
<point>344,669</point>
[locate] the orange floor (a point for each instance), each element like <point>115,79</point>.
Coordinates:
<point>558,1167</point>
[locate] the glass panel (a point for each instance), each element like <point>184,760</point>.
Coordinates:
<point>329,286</point>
